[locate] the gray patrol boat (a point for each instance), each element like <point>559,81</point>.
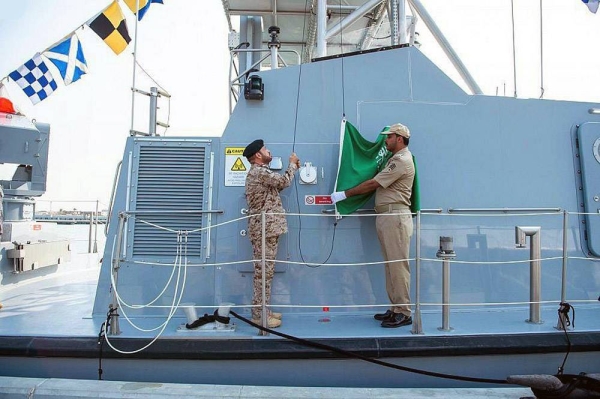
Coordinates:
<point>505,250</point>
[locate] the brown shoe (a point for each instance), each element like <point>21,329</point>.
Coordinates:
<point>272,322</point>
<point>397,320</point>
<point>275,315</point>
<point>383,316</point>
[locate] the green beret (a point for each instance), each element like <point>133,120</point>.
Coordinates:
<point>253,148</point>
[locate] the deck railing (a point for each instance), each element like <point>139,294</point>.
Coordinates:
<point>521,232</point>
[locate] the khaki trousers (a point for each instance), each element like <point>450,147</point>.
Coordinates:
<point>394,230</point>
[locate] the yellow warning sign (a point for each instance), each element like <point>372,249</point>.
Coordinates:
<point>238,166</point>
<point>234,151</point>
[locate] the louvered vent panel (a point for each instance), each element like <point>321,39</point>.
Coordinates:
<point>168,179</point>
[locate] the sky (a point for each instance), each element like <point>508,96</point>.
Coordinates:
<point>183,46</point>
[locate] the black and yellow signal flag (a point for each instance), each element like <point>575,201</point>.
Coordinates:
<point>111,26</point>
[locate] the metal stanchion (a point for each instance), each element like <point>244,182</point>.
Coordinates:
<point>446,252</point>
<point>417,327</point>
<point>265,321</point>
<point>90,235</point>
<point>116,265</point>
<point>562,324</point>
<point>96,230</point>
<point>535,271</point>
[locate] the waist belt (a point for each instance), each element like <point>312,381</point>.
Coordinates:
<point>391,208</point>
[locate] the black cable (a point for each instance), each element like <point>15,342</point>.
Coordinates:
<point>300,244</point>
<point>342,352</point>
<point>102,338</point>
<point>563,314</point>
<point>293,150</point>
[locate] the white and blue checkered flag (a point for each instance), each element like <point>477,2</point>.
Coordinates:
<point>68,57</point>
<point>592,5</point>
<point>35,79</point>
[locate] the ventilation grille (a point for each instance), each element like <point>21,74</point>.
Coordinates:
<point>168,179</point>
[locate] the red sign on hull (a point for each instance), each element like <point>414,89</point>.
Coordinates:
<point>317,200</point>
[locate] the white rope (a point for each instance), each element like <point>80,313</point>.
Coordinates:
<point>208,306</point>
<point>454,214</point>
<point>220,224</point>
<point>174,308</point>
<point>489,303</point>
<point>506,262</point>
<point>237,262</point>
<point>483,214</point>
<point>454,261</point>
<point>174,265</point>
<point>337,264</point>
<point>189,231</point>
<point>182,241</point>
<point>385,305</point>
<point>121,302</point>
<point>155,225</point>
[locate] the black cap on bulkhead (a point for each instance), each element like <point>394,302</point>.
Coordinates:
<point>253,148</point>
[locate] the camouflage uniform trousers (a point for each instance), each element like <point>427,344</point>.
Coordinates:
<point>270,253</point>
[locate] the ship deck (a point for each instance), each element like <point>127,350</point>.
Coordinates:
<point>50,317</point>
<point>60,304</point>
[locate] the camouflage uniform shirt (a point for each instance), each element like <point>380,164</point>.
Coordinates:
<point>262,194</point>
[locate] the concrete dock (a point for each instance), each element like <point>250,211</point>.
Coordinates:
<point>41,388</point>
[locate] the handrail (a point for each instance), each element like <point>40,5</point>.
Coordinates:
<point>209,204</point>
<point>370,211</point>
<point>504,210</point>
<point>534,302</point>
<point>173,212</point>
<point>112,197</point>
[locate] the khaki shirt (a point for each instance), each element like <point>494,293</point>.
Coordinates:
<point>262,194</point>
<point>396,180</point>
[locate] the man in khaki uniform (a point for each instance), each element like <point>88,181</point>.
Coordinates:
<point>262,194</point>
<point>393,187</point>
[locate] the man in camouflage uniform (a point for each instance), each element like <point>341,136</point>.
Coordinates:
<point>262,194</point>
<point>393,188</point>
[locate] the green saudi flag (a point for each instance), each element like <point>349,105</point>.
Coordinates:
<point>361,160</point>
